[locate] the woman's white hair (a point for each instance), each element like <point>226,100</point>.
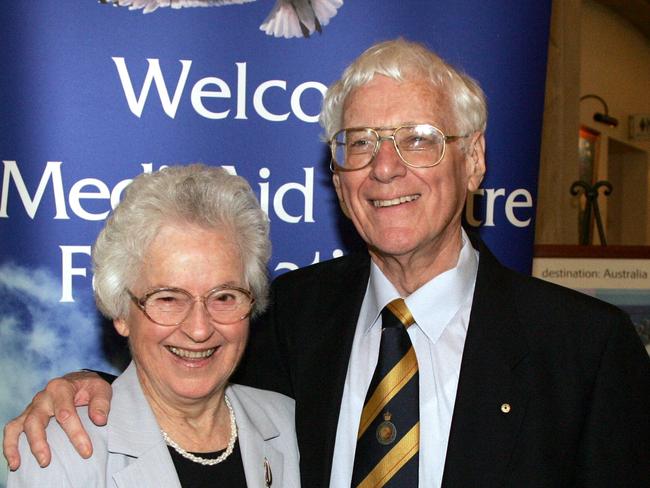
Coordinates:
<point>403,60</point>
<point>200,195</point>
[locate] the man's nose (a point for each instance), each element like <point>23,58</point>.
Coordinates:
<point>387,163</point>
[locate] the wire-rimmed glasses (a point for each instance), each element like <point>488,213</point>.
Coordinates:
<point>171,306</point>
<point>418,146</point>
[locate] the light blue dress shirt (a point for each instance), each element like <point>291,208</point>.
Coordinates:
<point>441,309</point>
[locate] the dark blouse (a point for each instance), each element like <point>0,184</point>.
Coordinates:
<point>227,474</point>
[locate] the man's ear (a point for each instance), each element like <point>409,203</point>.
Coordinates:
<point>339,194</point>
<point>476,161</point>
<point>121,327</point>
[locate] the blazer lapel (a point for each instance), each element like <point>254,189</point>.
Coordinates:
<point>263,463</point>
<point>153,469</point>
<point>134,439</point>
<point>491,398</point>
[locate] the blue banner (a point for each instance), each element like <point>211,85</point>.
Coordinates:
<point>92,94</point>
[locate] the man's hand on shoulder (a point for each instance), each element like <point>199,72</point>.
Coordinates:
<point>59,399</point>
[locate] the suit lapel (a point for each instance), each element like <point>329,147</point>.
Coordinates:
<point>323,364</point>
<point>491,398</point>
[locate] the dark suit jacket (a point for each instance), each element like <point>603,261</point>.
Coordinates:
<point>572,369</point>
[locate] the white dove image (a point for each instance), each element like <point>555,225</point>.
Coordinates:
<point>288,18</point>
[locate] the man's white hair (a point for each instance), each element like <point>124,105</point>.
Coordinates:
<point>403,60</point>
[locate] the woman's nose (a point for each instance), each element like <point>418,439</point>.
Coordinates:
<point>199,325</point>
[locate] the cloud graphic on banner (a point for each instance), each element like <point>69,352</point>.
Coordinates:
<point>40,338</point>
<point>288,18</point>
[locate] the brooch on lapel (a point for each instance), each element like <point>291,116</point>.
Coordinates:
<point>268,475</point>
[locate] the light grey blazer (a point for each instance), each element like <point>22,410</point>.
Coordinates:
<point>130,451</point>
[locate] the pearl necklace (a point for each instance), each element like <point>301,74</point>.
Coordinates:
<point>207,461</point>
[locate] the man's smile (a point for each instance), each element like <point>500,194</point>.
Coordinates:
<point>395,201</point>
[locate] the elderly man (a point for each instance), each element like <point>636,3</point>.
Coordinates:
<point>424,362</point>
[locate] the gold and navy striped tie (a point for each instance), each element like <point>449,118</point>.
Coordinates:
<point>389,432</point>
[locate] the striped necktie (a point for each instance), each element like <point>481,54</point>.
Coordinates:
<point>389,431</point>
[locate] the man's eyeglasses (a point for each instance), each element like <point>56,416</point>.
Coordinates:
<point>418,146</point>
<point>172,306</point>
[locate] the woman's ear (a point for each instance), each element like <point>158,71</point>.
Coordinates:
<point>121,327</point>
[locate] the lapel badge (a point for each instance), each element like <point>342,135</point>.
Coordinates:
<point>268,475</point>
<point>386,431</point>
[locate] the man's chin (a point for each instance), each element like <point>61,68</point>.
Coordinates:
<point>394,250</point>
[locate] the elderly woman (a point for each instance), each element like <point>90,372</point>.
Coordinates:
<point>179,268</point>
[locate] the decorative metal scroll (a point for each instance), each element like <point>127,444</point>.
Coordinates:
<point>591,192</point>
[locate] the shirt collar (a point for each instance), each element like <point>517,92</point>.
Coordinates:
<point>436,302</point>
